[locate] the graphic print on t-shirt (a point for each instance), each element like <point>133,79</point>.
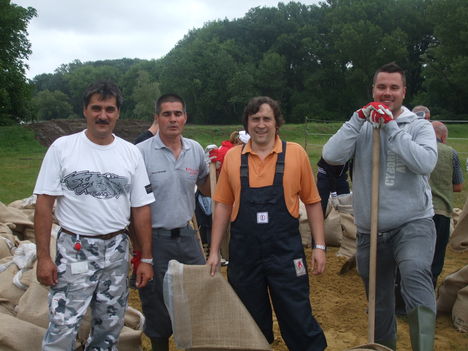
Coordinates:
<point>96,184</point>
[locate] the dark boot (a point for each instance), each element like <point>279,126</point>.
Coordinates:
<point>160,344</point>
<point>421,321</point>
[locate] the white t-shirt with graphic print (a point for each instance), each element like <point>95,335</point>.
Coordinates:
<point>95,184</point>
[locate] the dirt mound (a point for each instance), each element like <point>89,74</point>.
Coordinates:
<point>47,131</point>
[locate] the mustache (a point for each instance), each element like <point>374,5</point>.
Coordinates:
<point>102,121</point>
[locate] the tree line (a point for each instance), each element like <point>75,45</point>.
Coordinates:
<point>317,60</point>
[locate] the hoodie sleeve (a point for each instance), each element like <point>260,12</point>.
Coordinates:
<point>416,145</point>
<point>341,146</point>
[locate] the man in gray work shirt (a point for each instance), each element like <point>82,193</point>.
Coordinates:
<point>175,165</point>
<point>406,232</point>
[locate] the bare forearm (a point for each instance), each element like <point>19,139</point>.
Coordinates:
<point>315,219</point>
<point>142,229</point>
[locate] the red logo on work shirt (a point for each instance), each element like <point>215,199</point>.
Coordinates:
<point>191,171</point>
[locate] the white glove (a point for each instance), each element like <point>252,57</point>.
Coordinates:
<point>211,153</point>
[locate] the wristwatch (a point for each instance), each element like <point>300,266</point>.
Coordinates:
<point>146,260</point>
<point>321,247</point>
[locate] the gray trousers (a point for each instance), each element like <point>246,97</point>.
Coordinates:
<point>103,286</point>
<point>411,249</point>
<point>184,248</point>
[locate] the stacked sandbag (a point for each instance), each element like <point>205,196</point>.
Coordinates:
<point>340,229</point>
<point>459,239</point>
<point>206,314</point>
<point>453,298</point>
<point>19,220</point>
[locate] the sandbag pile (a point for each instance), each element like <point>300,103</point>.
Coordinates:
<point>206,313</point>
<point>459,238</point>
<point>23,300</point>
<point>340,229</point>
<point>453,298</point>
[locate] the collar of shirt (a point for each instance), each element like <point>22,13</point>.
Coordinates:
<point>158,143</point>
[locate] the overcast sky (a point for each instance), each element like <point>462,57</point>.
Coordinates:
<point>90,30</point>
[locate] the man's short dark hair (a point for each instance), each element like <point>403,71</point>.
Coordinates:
<point>391,67</point>
<point>254,105</point>
<point>171,97</point>
<point>106,89</point>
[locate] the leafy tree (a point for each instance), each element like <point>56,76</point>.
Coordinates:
<point>145,94</point>
<point>49,105</point>
<point>14,48</point>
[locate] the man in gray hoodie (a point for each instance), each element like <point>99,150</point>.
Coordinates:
<point>406,232</point>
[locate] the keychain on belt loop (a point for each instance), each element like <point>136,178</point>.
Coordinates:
<point>77,245</point>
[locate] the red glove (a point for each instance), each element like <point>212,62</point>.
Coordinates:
<point>381,115</point>
<point>135,261</point>
<point>365,111</point>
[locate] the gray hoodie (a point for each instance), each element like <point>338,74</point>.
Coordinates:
<point>408,154</point>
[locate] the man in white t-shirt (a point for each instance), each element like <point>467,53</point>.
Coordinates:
<point>97,180</point>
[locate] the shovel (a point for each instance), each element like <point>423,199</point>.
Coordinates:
<point>373,244</point>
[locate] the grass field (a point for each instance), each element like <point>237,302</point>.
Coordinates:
<point>21,154</point>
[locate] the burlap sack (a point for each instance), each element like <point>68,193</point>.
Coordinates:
<point>459,239</point>
<point>460,310</point>
<point>333,231</point>
<point>26,203</point>
<point>15,216</point>
<point>33,305</point>
<point>18,335</point>
<point>7,307</point>
<point>304,228</point>
<point>368,347</point>
<point>206,313</point>
<point>8,290</point>
<point>348,228</point>
<point>448,290</point>
<point>6,228</point>
<point>6,246</point>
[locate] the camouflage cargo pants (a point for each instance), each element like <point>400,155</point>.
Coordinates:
<point>95,276</point>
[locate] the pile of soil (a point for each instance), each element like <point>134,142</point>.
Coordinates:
<point>47,131</point>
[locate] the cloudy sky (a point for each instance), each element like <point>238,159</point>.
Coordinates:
<point>90,30</point>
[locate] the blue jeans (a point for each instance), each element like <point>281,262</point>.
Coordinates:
<point>411,249</point>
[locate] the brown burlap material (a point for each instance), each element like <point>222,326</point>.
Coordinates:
<point>206,313</point>
<point>448,290</point>
<point>6,246</point>
<point>33,306</point>
<point>460,310</point>
<point>17,217</point>
<point>368,347</point>
<point>345,209</point>
<point>304,227</point>
<point>8,290</point>
<point>333,231</point>
<point>459,239</point>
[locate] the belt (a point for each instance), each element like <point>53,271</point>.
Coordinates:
<point>174,233</point>
<point>101,236</point>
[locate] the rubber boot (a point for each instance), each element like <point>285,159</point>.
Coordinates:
<point>391,344</point>
<point>421,321</point>
<point>160,344</point>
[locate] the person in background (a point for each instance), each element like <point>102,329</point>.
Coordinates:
<point>422,112</point>
<point>175,165</point>
<point>149,133</point>
<point>259,188</point>
<point>331,180</point>
<point>406,232</point>
<point>445,179</point>
<point>97,179</point>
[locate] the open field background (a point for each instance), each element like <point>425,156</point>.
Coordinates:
<point>338,301</point>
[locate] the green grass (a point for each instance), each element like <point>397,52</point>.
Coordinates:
<point>20,158</point>
<point>21,155</point>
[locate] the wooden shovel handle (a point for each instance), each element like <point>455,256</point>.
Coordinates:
<point>373,233</point>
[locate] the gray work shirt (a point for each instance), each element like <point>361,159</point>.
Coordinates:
<point>173,181</point>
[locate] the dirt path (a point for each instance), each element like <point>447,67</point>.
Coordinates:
<point>338,303</point>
